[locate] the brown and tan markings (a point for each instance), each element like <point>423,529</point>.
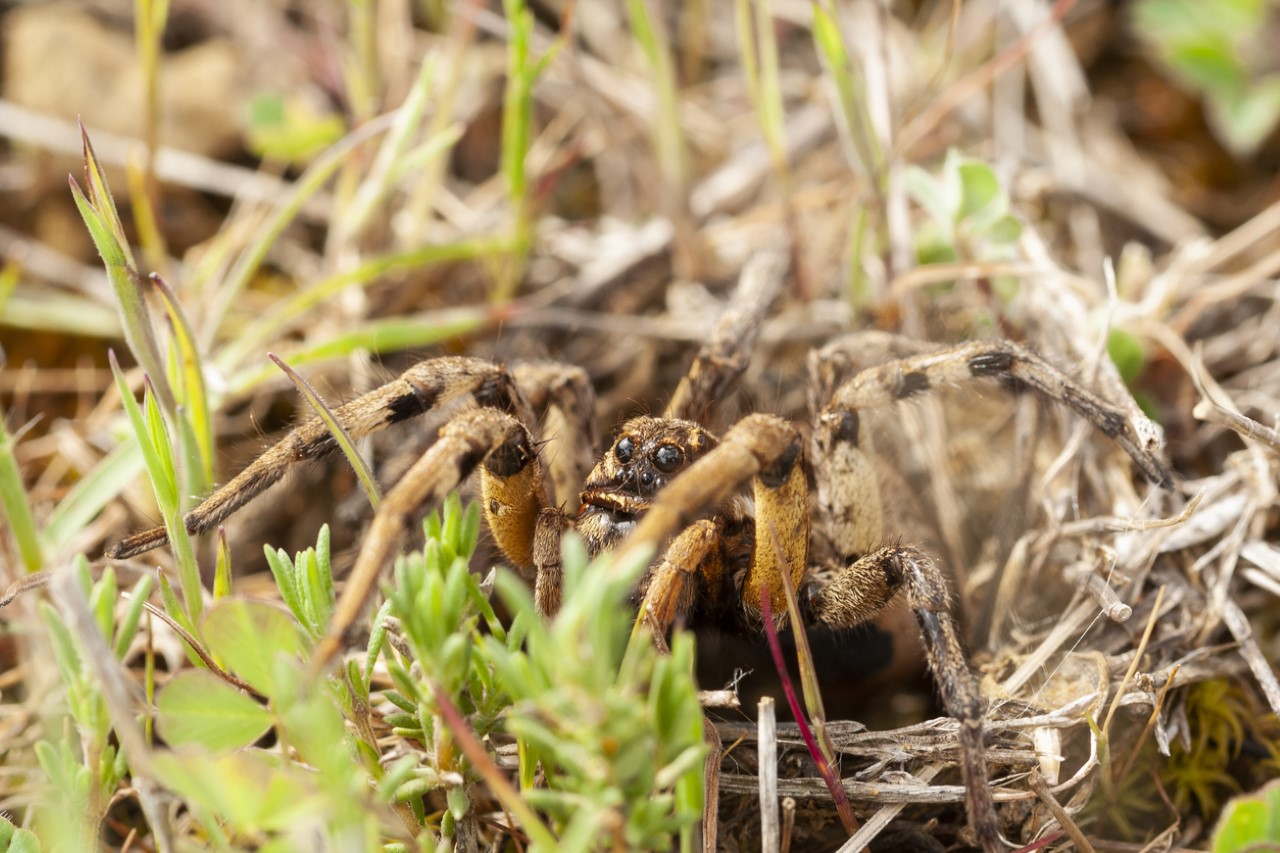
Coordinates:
<point>727,516</point>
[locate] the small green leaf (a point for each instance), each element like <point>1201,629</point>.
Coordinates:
<point>1127,354</point>
<point>458,802</point>
<point>197,707</point>
<point>15,840</point>
<point>1211,67</point>
<point>1244,121</point>
<point>252,791</point>
<point>1250,822</point>
<point>979,188</point>
<point>1004,230</point>
<point>935,196</point>
<point>128,625</point>
<point>248,636</point>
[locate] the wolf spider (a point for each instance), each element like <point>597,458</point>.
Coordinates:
<point>667,481</point>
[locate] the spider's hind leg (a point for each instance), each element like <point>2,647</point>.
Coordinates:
<point>1010,363</point>
<point>723,358</point>
<point>857,593</point>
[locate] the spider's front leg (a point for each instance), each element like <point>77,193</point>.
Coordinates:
<point>419,389</point>
<point>769,452</point>
<point>515,497</point>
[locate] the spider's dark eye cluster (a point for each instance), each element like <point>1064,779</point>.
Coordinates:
<point>623,450</point>
<point>667,458</point>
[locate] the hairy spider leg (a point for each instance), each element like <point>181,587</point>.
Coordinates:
<point>1002,360</point>
<point>725,356</point>
<point>768,451</point>
<point>515,488</point>
<point>425,386</point>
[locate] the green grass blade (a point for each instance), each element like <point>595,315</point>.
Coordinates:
<point>309,184</point>
<point>222,577</point>
<point>841,71</point>
<point>157,452</point>
<point>336,429</point>
<point>17,509</point>
<point>380,181</point>
<point>98,209</point>
<point>192,393</point>
<point>65,313</point>
<point>392,335</point>
<point>668,138</point>
<point>278,319</point>
<point>91,493</point>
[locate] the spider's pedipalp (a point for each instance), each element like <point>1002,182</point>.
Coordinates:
<point>1003,360</point>
<point>479,435</point>
<point>419,389</point>
<point>668,589</point>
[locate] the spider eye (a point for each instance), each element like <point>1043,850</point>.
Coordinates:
<point>623,449</point>
<point>668,458</point>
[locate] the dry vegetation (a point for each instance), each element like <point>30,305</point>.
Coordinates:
<point>597,209</point>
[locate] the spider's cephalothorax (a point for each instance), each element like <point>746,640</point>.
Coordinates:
<point>647,454</point>
<point>669,485</point>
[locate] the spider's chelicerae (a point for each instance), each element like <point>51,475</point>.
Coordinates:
<point>667,482</point>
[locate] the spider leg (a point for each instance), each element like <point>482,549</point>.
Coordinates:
<point>997,359</point>
<point>513,489</point>
<point>565,396</point>
<point>419,389</point>
<point>857,593</point>
<point>549,574</point>
<point>695,556</point>
<point>721,361</point>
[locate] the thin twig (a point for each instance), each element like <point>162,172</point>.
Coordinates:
<point>767,749</point>
<point>1060,814</point>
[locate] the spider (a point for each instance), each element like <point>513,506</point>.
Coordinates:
<point>668,483</point>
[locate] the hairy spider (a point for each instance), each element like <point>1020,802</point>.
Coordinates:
<point>667,482</point>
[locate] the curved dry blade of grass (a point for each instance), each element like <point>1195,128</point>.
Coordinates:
<point>336,429</point>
